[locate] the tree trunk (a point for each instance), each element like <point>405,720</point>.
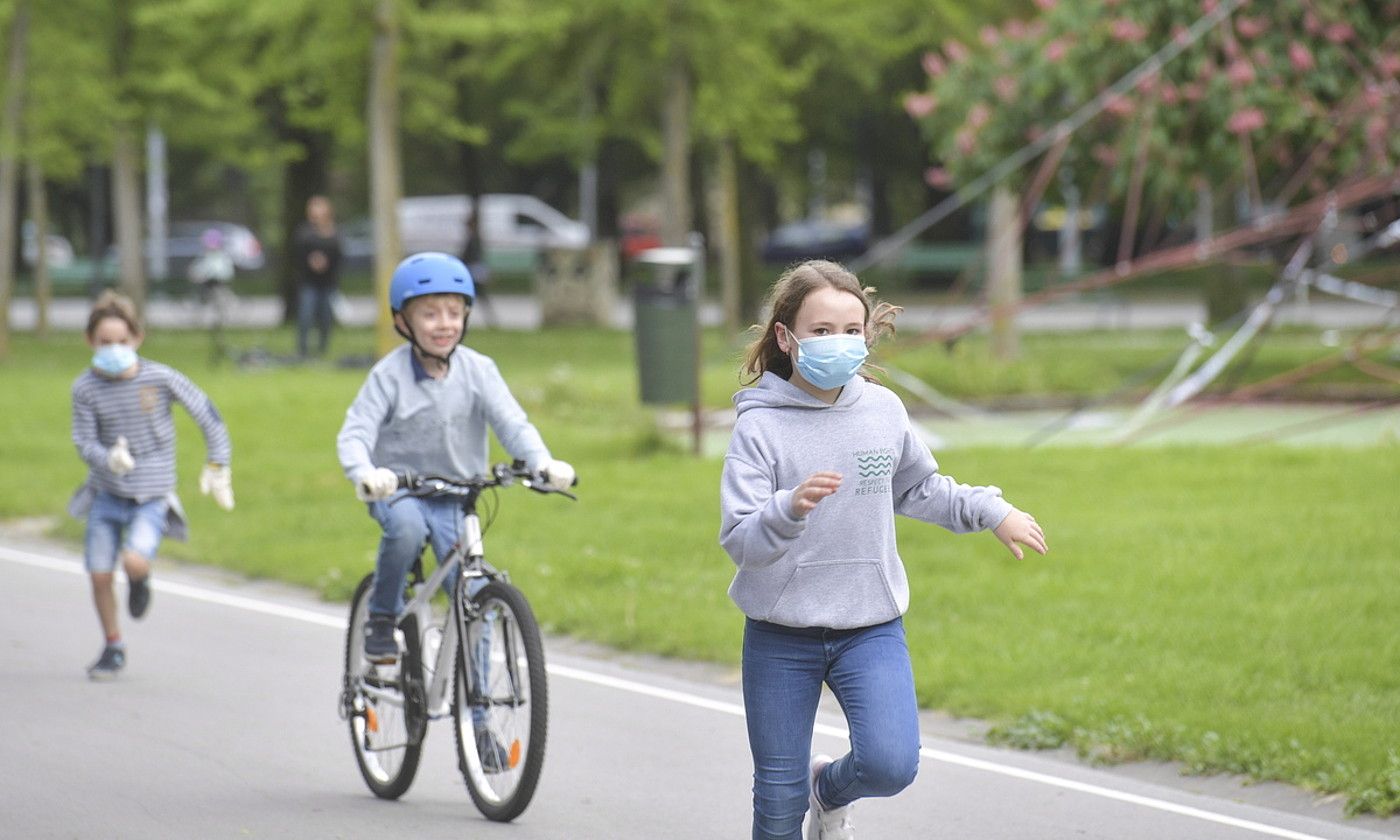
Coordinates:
<point>39,212</point>
<point>1004,272</point>
<point>126,208</point>
<point>726,235</point>
<point>10,116</point>
<point>675,165</point>
<point>385,164</point>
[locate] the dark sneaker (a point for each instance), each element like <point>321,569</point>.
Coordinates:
<point>494,757</point>
<point>381,647</point>
<point>112,660</point>
<point>138,598</point>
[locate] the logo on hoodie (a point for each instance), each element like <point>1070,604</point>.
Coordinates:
<point>873,470</point>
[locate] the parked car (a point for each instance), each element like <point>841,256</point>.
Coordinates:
<point>183,246</point>
<point>57,248</point>
<point>509,222</point>
<point>813,239</point>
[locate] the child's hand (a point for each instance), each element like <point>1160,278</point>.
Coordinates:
<point>217,480</point>
<point>558,475</point>
<point>119,459</point>
<point>376,485</point>
<point>818,486</point>
<point>1021,527</point>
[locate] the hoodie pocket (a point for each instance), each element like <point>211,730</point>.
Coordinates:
<point>836,593</point>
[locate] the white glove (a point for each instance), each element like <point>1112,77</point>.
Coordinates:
<point>557,475</point>
<point>376,485</point>
<point>217,480</point>
<point>119,459</point>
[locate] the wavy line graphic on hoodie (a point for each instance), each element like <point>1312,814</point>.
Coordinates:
<point>874,465</point>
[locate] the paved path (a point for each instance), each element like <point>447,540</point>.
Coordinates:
<point>224,725</point>
<point>522,312</point>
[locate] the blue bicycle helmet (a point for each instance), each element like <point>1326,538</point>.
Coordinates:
<point>430,273</point>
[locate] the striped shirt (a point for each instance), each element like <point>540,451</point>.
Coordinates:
<point>139,410</point>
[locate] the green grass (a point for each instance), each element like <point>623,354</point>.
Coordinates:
<point>1230,608</point>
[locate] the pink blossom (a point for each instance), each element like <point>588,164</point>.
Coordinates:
<point>1374,97</point>
<point>978,115</point>
<point>989,35</point>
<point>1170,95</point>
<point>1128,31</point>
<point>1192,92</point>
<point>919,105</point>
<point>1046,5</point>
<point>1340,33</point>
<point>1181,35</point>
<point>1005,86</point>
<point>1035,30</point>
<point>1240,72</point>
<point>1055,50</point>
<point>1016,29</point>
<point>1389,64</point>
<point>955,51</point>
<point>966,141</point>
<point>1300,56</point>
<point>1112,3</point>
<point>1208,6</point>
<point>1107,155</point>
<point>1119,106</point>
<point>934,64</point>
<point>938,177</point>
<point>1251,27</point>
<point>1245,120</point>
<point>1311,24</point>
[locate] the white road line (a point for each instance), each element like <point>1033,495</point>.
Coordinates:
<point>212,596</point>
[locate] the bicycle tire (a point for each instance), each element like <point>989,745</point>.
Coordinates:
<point>387,737</point>
<point>502,771</point>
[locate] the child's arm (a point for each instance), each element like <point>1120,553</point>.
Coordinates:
<point>217,445</point>
<point>758,524</point>
<point>354,445</point>
<point>216,479</point>
<point>85,438</point>
<point>507,419</point>
<point>923,493</point>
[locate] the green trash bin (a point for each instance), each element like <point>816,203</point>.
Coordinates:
<point>665,326</point>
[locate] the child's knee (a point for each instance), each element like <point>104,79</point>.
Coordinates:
<point>889,772</point>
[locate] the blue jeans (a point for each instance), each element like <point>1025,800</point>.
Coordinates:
<point>407,523</point>
<point>869,673</point>
<point>118,524</point>
<point>314,306</point>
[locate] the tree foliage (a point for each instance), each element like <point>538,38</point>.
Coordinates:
<point>1281,100</point>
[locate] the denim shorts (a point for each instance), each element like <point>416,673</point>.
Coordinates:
<point>118,524</point>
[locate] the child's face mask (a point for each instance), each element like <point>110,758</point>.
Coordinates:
<point>114,359</point>
<point>830,361</point>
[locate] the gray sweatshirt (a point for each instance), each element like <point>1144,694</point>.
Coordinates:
<point>838,567</point>
<point>403,419</point>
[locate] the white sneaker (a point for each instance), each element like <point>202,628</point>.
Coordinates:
<point>822,824</point>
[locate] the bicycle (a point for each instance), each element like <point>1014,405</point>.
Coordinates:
<point>499,699</point>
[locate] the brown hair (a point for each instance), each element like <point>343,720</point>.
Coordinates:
<point>786,298</point>
<point>112,305</point>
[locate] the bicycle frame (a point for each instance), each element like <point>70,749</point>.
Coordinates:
<point>467,560</point>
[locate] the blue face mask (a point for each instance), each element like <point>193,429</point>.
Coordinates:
<point>113,359</point>
<point>829,361</point>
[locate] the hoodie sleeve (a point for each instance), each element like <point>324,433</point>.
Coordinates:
<point>922,492</point>
<point>513,429</point>
<point>757,526</point>
<point>360,431</point>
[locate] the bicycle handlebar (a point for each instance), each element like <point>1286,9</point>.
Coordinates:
<point>502,475</point>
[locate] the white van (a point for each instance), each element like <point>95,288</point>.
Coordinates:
<point>514,227</point>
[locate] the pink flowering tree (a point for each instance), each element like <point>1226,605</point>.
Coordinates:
<point>1282,99</point>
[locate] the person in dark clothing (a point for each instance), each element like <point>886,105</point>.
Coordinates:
<point>318,253</point>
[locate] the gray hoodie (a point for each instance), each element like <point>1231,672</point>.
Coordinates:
<point>839,567</point>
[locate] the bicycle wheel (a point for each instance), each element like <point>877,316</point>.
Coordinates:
<point>501,702</point>
<point>385,712</point>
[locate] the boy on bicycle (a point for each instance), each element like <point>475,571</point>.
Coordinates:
<point>425,409</point>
